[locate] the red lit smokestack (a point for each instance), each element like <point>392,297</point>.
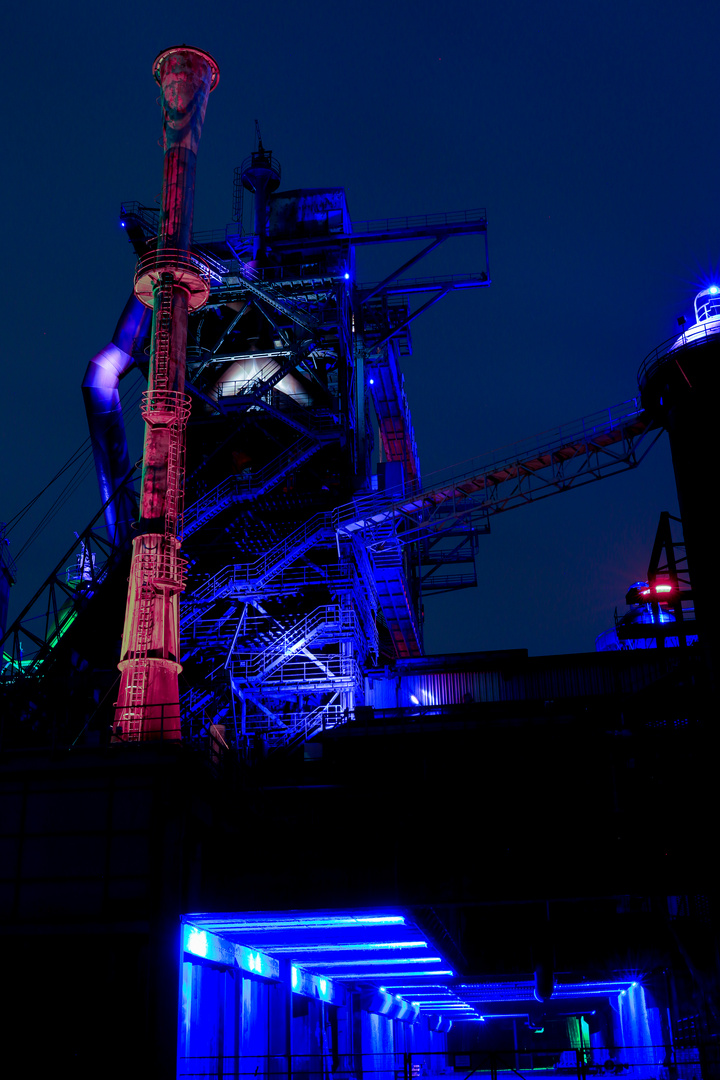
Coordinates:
<point>171,281</point>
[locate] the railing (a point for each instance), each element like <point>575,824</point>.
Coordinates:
<point>586,431</point>
<point>340,577</point>
<point>148,216</point>
<point>302,274</point>
<point>641,1062</point>
<point>419,221</point>
<point>324,671</point>
<point>240,576</point>
<point>420,284</point>
<point>189,272</point>
<point>575,453</point>
<point>262,159</point>
<point>238,488</point>
<point>697,334</point>
<point>272,729</point>
<point>284,303</point>
<point>329,620</point>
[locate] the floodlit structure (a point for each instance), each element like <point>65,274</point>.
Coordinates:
<point>322,851</point>
<point>173,282</point>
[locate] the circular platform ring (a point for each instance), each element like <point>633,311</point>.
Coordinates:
<point>188,272</point>
<point>162,407</point>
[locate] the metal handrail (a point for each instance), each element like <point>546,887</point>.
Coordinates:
<point>454,217</point>
<point>631,1060</point>
<point>479,278</point>
<point>333,620</point>
<point>697,334</point>
<point>552,441</point>
<point>262,158</point>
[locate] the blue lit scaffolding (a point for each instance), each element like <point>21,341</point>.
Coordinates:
<point>286,606</point>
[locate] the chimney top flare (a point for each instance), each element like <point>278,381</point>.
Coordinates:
<point>176,49</point>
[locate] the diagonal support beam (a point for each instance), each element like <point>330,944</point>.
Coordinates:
<point>405,266</point>
<point>421,310</point>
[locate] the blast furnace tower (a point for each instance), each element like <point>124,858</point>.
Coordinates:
<point>288,599</point>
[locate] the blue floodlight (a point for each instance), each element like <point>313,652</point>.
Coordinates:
<point>294,977</point>
<point>414,699</point>
<point>347,277</point>
<point>323,986</point>
<point>372,382</point>
<point>713,290</point>
<point>197,942</point>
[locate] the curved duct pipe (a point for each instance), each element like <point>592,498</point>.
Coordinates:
<point>105,419</point>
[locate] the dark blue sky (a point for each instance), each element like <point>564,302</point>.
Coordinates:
<point>590,133</point>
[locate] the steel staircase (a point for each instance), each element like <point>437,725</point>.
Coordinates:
<point>328,622</point>
<point>236,489</point>
<point>243,578</point>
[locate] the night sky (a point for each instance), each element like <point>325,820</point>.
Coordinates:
<point>589,131</point>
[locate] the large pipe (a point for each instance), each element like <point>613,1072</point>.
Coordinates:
<point>105,419</point>
<point>171,281</point>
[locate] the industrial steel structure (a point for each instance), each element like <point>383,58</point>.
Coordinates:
<point>434,842</point>
<point>307,550</point>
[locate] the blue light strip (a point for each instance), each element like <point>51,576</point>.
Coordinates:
<point>205,945</point>
<point>384,974</point>
<point>341,945</point>
<point>380,960</point>
<point>524,991</point>
<point>444,1006</point>
<point>232,923</point>
<point>360,946</point>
